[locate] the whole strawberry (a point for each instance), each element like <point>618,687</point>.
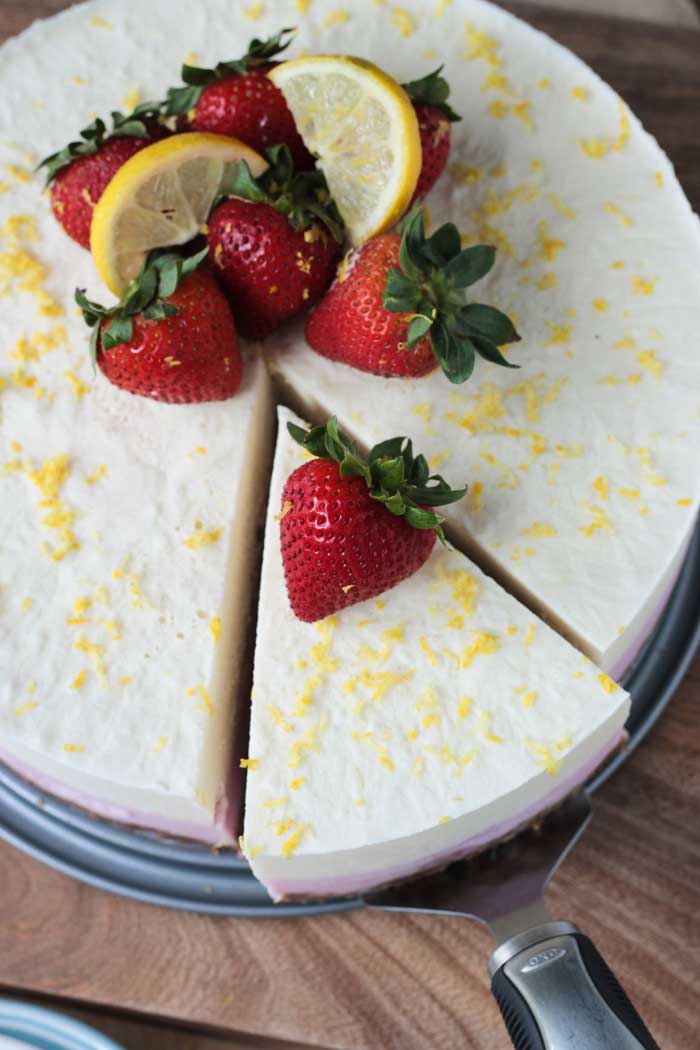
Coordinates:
<point>429,96</point>
<point>237,98</point>
<point>398,307</point>
<point>171,337</point>
<point>351,528</point>
<point>274,244</point>
<point>79,173</point>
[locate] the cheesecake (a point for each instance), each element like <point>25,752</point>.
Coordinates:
<point>128,554</point>
<point>406,731</point>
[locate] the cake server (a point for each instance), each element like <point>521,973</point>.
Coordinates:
<point>554,989</point>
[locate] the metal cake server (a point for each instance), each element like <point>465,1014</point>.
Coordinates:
<point>555,991</point>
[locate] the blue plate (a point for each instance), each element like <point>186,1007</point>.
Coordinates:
<point>47,1030</point>
<point>190,877</point>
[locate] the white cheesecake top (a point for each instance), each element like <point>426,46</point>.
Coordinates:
<point>443,697</point>
<point>583,464</point>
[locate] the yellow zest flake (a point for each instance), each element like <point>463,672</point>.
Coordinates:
<point>80,389</point>
<point>431,719</point>
<point>100,23</point>
<point>441,6</point>
<point>485,728</point>
<point>464,707</point>
<point>560,205</point>
<point>305,744</point>
<point>201,797</point>
<point>202,537</point>
<point>545,758</point>
<point>336,18</point>
<point>96,654</point>
<point>643,285</point>
<point>27,604</point>
<point>431,656</point>
<point>521,110</point>
<point>411,734</point>
<point>98,475</point>
<point>403,21</point>
<point>79,680</point>
<point>283,826</point>
<point>497,82</point>
<point>423,412</point>
<point>291,844</point>
<point>28,349</point>
<point>544,84</point>
<point>159,745</point>
<point>685,502</point>
<point>485,408</point>
<point>618,213</point>
<point>475,496</point>
<point>617,265</point>
<point>530,634</point>
<point>498,109</point>
<point>630,494</point>
<point>302,6</point>
<point>529,698</point>
<point>250,763</point>
<point>659,178</point>
<point>21,174</point>
<point>607,683</point>
<point>650,363</point>
<point>49,479</point>
<point>599,521</point>
<point>215,628</point>
<point>651,475</point>
<point>464,173</point>
<point>29,705</point>
<point>601,305</point>
<point>273,803</point>
<point>549,246</point>
<point>602,487</point>
<point>443,820</point>
<point>539,530</point>
<point>347,587</point>
<point>286,507</point>
<point>134,582</point>
<point>75,749</point>
<point>255,11</point>
<point>202,692</point>
<point>596,149</point>
<point>481,46</point>
<point>278,719</point>
<point>560,334</point>
<point>580,93</point>
<point>418,767</point>
<point>547,282</point>
<point>482,643</point>
<point>124,680</point>
<point>569,451</point>
<point>511,630</point>
<point>296,783</point>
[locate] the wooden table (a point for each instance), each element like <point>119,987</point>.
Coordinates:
<point>153,978</point>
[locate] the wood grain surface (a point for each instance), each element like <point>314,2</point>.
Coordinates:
<point>368,981</point>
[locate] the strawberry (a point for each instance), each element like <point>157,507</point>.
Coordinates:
<point>398,307</point>
<point>274,244</point>
<point>172,335</point>
<point>429,96</point>
<point>79,173</point>
<point>352,528</point>
<point>237,98</point>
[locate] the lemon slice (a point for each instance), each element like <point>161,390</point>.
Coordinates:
<point>363,129</point>
<point>161,197</point>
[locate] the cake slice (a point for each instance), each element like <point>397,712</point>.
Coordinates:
<point>127,562</point>
<point>409,730</point>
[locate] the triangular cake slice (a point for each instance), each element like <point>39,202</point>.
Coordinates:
<point>127,566</point>
<point>409,730</point>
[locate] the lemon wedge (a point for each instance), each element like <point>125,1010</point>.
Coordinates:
<point>161,197</point>
<point>361,125</point>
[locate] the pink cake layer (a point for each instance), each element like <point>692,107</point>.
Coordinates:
<point>221,833</point>
<point>347,886</point>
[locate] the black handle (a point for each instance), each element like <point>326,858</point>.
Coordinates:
<point>560,994</point>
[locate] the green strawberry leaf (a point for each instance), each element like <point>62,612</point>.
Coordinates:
<point>393,476</point>
<point>432,90</point>
<point>419,327</point>
<point>470,265</point>
<point>443,245</point>
<point>489,323</point>
<point>119,330</point>
<point>181,100</point>
<point>490,352</point>
<point>412,239</point>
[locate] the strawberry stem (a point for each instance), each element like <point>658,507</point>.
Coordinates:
<point>430,288</point>
<point>95,134</point>
<point>432,90</point>
<point>302,196</point>
<point>393,474</point>
<point>161,274</point>
<point>183,99</point>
